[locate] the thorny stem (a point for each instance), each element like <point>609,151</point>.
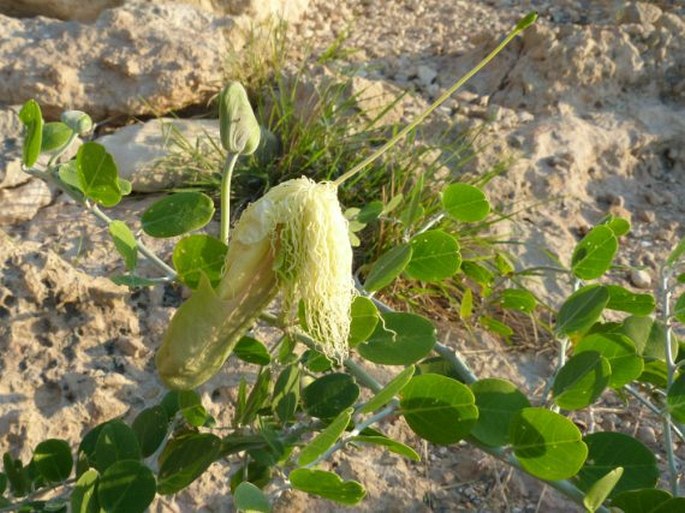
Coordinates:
<point>227,175</point>
<point>522,25</point>
<point>665,295</point>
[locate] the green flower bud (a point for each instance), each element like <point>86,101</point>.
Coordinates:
<point>78,121</point>
<point>237,123</point>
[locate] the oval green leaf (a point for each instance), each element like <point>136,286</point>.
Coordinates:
<point>327,485</point>
<point>53,460</point>
<point>151,426</point>
<point>190,406</point>
<point>128,486</point>
<point>125,243</point>
<point>599,491</point>
<point>388,267</point>
<point>623,300</point>
<point>116,441</point>
<point>184,459</point>
<point>197,254</point>
<point>401,339</point>
<point>390,444</point>
<point>389,391</point>
<point>593,255</point>
<point>640,501</point>
<point>619,350</point>
<point>581,380</point>
<point>610,450</point>
<point>329,395</point>
<point>676,398</point>
<point>251,350</point>
<point>84,498</point>
<point>520,300</point>
<point>286,394</point>
<point>247,498</point>
<point>438,409</point>
<point>548,445</point>
<point>465,202</point>
<point>674,505</point>
<point>435,256</point>
<point>619,225</point>
<point>679,309</point>
<point>498,402</point>
<point>97,174</point>
<point>582,309</point>
<point>364,318</point>
<point>325,440</point>
<point>177,214</point>
<point>55,136</point>
<point>32,118</point>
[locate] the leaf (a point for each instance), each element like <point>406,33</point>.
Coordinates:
<point>125,242</point>
<point>435,256</point>
<point>624,300</point>
<point>674,505</point>
<point>190,406</point>
<point>548,445</point>
<point>255,473</point>
<point>389,391</point>
<point>520,300</point>
<point>676,254</point>
<point>655,373</point>
<point>610,450</point>
<point>184,459</point>
<point>128,486</point>
<point>414,209</point>
<point>370,212</point>
<point>53,460</point>
<point>84,498</point>
<point>325,440</point>
<point>97,174</point>
<point>388,267</point>
<point>465,202</point>
<point>581,380</point>
<point>115,442</point>
<point>252,351</point>
<point>329,395</point>
<point>466,306</point>
<point>327,485</point>
<point>68,174</point>
<point>478,273</point>
<point>316,362</point>
<point>199,254</point>
<point>582,309</point>
<point>151,426</point>
<point>286,394</point>
<point>599,491</point>
<point>619,225</point>
<point>679,309</point>
<point>32,118</point>
<point>390,444</point>
<point>640,501</point>
<point>593,255</point>
<point>177,214</point>
<point>55,136</point>
<point>619,350</point>
<point>401,339</point>
<point>14,470</point>
<point>498,402</point>
<point>364,318</point>
<point>676,398</point>
<point>247,498</point>
<point>438,409</point>
<point>496,326</point>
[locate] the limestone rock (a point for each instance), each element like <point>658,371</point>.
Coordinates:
<point>136,59</point>
<point>79,10</point>
<point>142,151</point>
<point>21,203</point>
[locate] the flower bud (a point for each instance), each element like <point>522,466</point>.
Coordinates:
<point>78,121</point>
<point>238,125</point>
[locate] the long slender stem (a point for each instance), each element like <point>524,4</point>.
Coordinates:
<point>665,296</point>
<point>95,210</point>
<point>654,409</point>
<point>525,22</point>
<point>226,178</point>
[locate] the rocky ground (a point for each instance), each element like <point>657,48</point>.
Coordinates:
<point>589,105</point>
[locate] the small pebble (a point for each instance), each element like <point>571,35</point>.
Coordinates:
<point>640,279</point>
